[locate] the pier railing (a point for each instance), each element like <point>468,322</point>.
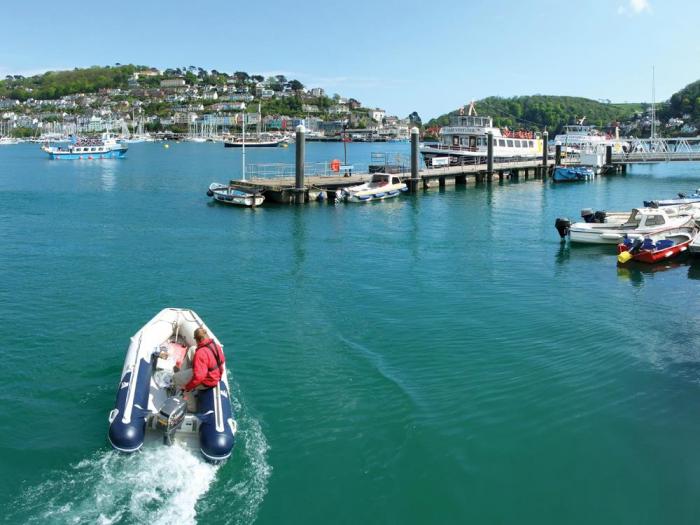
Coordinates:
<point>659,150</point>
<point>394,162</point>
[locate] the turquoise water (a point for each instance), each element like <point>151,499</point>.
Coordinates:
<point>441,358</point>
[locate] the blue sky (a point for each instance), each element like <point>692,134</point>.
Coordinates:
<point>427,56</point>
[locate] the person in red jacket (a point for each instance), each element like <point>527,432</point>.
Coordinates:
<point>207,362</point>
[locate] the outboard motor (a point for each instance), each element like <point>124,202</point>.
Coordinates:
<point>636,245</point>
<point>170,417</point>
<point>681,195</point>
<point>562,224</point>
<point>599,216</point>
<point>210,193</point>
<point>587,214</point>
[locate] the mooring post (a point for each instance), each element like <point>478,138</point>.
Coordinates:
<point>608,155</point>
<point>489,154</point>
<point>413,182</point>
<point>557,155</point>
<point>300,158</point>
<point>545,154</point>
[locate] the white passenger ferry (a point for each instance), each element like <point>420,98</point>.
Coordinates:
<point>465,141</point>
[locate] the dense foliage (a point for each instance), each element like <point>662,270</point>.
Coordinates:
<point>55,84</point>
<point>552,112</point>
<point>684,102</point>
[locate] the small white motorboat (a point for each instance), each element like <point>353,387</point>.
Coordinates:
<point>612,230</point>
<point>235,195</point>
<point>380,187</point>
<point>148,404</point>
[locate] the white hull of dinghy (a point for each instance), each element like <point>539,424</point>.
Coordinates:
<point>145,381</point>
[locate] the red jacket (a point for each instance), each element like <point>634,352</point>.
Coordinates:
<point>205,369</point>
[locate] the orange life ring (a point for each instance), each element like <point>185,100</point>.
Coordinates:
<point>335,165</point>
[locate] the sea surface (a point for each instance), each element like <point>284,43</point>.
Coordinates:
<point>440,358</point>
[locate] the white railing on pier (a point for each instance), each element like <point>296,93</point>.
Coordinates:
<point>659,150</point>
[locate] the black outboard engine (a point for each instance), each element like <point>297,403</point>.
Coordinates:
<point>599,216</point>
<point>587,214</point>
<point>562,224</point>
<point>681,195</point>
<point>636,245</point>
<point>210,193</point>
<point>170,417</point>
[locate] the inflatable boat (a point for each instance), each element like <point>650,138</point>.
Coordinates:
<point>150,407</point>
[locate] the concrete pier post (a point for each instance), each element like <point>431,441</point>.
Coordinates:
<point>415,159</point>
<point>557,155</point>
<point>608,155</point>
<point>299,189</point>
<point>489,154</point>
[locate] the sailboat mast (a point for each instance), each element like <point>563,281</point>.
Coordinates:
<point>653,103</point>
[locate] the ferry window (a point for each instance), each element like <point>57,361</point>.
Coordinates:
<point>530,143</point>
<point>517,144</point>
<point>92,149</point>
<point>510,143</point>
<point>501,142</point>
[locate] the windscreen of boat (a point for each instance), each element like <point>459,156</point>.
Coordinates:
<point>655,220</point>
<point>380,180</point>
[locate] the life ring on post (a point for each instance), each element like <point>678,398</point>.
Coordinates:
<point>335,165</point>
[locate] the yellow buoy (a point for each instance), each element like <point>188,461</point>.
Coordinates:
<point>624,257</point>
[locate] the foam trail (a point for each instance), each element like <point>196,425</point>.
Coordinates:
<point>157,486</point>
<point>244,492</point>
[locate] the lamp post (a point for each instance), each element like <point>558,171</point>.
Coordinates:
<point>243,144</point>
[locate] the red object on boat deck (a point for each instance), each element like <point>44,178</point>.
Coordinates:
<point>178,351</point>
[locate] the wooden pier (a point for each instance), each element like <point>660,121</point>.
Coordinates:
<point>300,188</point>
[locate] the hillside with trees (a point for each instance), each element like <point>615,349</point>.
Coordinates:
<point>55,84</point>
<point>537,112</point>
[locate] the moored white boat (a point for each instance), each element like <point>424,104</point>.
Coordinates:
<point>234,195</point>
<point>382,186</point>
<point>147,404</point>
<point>641,221</point>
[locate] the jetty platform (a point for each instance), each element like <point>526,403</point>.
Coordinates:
<point>285,189</point>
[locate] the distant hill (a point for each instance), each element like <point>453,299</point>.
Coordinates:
<point>55,84</point>
<point>552,112</point>
<point>683,103</point>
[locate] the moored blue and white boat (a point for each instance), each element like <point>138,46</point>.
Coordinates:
<point>682,199</point>
<point>105,147</point>
<point>572,174</point>
<point>148,406</point>
<point>235,195</point>
<point>382,186</point>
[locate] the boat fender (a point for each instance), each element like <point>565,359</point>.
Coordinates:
<point>563,225</point>
<point>215,443</point>
<point>624,257</point>
<point>128,436</point>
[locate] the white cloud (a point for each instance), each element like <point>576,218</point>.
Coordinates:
<point>639,6</point>
<point>634,7</point>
